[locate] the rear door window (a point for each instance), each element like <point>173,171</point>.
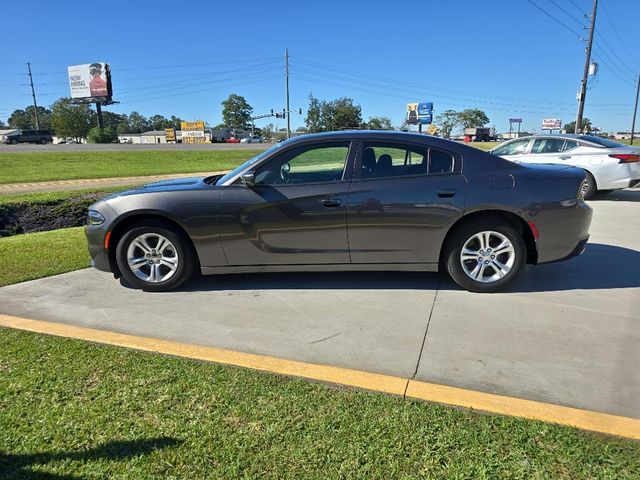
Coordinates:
<point>381,160</point>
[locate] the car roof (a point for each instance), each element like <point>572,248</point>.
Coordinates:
<point>381,135</point>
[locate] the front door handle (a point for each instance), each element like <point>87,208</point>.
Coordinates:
<point>331,202</point>
<point>446,193</point>
<point>565,157</point>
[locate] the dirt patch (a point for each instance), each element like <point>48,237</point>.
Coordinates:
<point>30,217</point>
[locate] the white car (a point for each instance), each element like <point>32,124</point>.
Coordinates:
<point>609,165</point>
<point>254,139</point>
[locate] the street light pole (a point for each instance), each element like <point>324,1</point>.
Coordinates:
<point>286,80</point>
<point>585,75</point>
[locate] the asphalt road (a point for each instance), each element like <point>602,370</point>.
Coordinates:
<point>566,333</point>
<point>125,147</point>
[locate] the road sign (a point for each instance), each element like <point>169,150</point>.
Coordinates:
<point>425,112</point>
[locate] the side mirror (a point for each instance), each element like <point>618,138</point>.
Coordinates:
<point>249,179</point>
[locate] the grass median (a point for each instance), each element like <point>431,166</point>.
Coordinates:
<point>72,408</point>
<point>47,166</point>
<point>36,255</point>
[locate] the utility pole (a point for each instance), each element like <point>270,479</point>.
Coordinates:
<point>286,81</point>
<point>635,110</point>
<point>33,94</point>
<point>585,75</point>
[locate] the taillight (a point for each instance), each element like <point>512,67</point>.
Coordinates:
<point>626,157</point>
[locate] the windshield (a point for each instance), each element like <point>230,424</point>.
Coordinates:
<point>249,162</point>
<point>605,142</point>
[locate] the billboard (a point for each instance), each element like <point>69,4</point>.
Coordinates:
<point>412,113</point>
<point>193,132</point>
<point>551,124</point>
<point>170,134</point>
<point>515,120</point>
<point>90,81</point>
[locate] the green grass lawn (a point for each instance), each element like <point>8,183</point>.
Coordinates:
<point>74,408</point>
<point>54,196</point>
<point>35,255</point>
<point>45,166</point>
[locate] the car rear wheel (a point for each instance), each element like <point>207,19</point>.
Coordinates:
<point>589,187</point>
<point>154,257</point>
<point>485,256</point>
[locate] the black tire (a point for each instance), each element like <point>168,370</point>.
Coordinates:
<point>591,188</point>
<point>183,251</point>
<point>454,264</point>
<point>14,141</point>
<point>43,141</point>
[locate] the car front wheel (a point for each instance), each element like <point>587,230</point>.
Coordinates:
<point>154,257</point>
<point>485,256</point>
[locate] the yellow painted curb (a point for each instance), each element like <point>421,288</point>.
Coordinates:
<point>343,376</point>
<point>584,419</point>
<point>518,407</point>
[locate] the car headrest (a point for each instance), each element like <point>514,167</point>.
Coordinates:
<point>368,159</point>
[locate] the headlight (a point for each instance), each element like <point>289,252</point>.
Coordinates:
<point>94,218</point>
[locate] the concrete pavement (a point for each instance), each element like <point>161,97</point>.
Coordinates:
<point>566,333</point>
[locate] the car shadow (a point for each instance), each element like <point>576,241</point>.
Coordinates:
<point>18,466</point>
<point>629,195</point>
<point>600,267</point>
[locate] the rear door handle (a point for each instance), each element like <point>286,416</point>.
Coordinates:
<point>331,202</point>
<point>446,193</point>
<point>565,157</point>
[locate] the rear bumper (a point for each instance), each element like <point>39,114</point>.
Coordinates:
<point>563,231</point>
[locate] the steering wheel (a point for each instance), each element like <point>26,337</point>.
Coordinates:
<point>284,172</point>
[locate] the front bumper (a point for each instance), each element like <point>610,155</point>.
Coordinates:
<point>96,235</point>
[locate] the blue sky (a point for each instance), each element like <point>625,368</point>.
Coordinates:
<point>184,58</point>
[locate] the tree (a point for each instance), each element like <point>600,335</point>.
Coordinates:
<point>25,119</point>
<point>339,114</point>
<point>586,126</point>
<point>379,123</point>
<point>473,117</point>
<point>159,122</point>
<point>138,123</point>
<point>102,135</point>
<point>110,119</point>
<point>123,125</point>
<point>268,131</point>
<point>236,112</point>
<point>447,121</point>
<point>71,120</point>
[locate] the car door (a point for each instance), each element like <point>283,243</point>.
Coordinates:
<point>402,200</point>
<point>296,211</point>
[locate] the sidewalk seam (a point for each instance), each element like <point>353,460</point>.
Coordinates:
<point>426,331</point>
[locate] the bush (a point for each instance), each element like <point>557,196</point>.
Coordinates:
<point>102,135</point>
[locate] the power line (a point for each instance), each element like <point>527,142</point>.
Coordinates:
<point>615,32</point>
<point>559,22</point>
<point>579,22</point>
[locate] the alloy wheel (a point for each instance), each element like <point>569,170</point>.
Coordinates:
<point>487,256</point>
<point>152,258</point>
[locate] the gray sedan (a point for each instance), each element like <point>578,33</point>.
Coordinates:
<point>362,200</point>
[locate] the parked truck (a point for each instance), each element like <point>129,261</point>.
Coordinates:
<point>480,134</point>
